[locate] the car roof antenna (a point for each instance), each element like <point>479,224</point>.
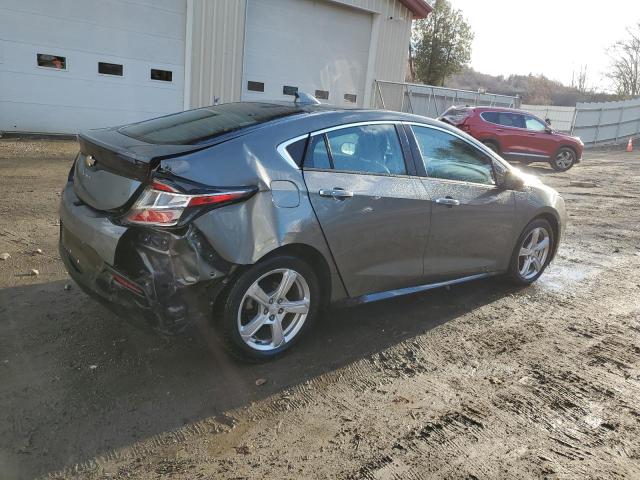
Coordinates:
<point>303,98</point>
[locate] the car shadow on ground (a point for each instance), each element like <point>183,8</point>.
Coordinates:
<point>78,382</point>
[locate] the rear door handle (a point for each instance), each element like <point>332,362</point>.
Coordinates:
<point>448,201</point>
<point>335,193</point>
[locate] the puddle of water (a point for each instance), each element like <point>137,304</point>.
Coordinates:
<point>560,276</point>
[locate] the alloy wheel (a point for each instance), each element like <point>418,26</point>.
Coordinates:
<point>533,253</point>
<point>274,309</point>
<point>564,159</point>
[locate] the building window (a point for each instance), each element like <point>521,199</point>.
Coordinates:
<point>322,94</point>
<point>287,90</point>
<point>110,68</point>
<point>52,61</point>
<point>350,97</point>
<point>162,75</point>
<point>255,86</point>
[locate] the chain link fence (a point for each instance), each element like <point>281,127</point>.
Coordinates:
<point>430,101</point>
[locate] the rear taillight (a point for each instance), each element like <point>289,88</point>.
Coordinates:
<point>163,205</point>
<point>123,282</point>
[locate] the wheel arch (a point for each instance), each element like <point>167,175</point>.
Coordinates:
<point>302,251</point>
<point>569,146</point>
<point>493,141</point>
<point>555,225</point>
<point>314,258</point>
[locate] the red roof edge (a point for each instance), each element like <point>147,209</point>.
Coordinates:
<point>419,8</point>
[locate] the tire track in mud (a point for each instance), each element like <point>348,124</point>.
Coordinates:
<point>558,403</point>
<point>452,425</point>
<point>543,382</point>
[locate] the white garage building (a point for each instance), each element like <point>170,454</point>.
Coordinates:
<point>68,65</point>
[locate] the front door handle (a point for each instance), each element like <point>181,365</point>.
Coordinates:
<point>335,193</point>
<point>448,201</point>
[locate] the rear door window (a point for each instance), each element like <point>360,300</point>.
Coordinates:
<point>197,126</point>
<point>491,117</point>
<point>448,157</point>
<point>368,149</point>
<point>514,120</point>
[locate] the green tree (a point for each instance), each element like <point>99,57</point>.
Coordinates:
<point>442,44</point>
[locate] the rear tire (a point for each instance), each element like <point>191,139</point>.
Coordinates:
<point>268,308</point>
<point>532,253</point>
<point>565,159</point>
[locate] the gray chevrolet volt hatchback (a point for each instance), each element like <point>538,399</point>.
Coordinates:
<point>254,216</point>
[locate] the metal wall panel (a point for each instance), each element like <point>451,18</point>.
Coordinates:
<point>217,51</point>
<point>392,45</point>
<point>218,46</point>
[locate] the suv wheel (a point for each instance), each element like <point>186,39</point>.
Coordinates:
<point>268,307</point>
<point>532,253</point>
<point>564,159</point>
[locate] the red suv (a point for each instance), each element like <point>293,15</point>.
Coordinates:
<point>517,135</point>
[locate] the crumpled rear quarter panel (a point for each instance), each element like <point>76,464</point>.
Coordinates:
<point>245,232</point>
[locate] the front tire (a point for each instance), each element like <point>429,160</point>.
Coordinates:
<point>532,253</point>
<point>268,308</point>
<point>564,159</point>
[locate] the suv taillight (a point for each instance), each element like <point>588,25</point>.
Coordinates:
<point>163,205</point>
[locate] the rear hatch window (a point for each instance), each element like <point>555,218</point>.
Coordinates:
<point>456,115</point>
<point>198,126</point>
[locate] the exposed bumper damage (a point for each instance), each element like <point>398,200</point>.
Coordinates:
<point>171,277</point>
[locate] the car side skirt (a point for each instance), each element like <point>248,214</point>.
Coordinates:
<point>375,297</point>
<point>531,156</point>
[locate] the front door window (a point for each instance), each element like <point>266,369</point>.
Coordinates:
<point>448,157</point>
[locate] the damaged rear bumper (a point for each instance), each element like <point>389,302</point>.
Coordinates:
<point>171,278</point>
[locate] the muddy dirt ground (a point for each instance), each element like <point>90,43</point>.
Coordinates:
<point>482,381</point>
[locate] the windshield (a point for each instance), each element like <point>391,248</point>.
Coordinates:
<point>196,126</point>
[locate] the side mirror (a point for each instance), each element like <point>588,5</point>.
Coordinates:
<point>548,130</point>
<point>511,181</point>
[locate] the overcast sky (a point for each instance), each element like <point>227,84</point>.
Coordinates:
<point>549,37</point>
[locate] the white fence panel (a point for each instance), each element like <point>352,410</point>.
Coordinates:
<point>607,122</point>
<point>561,117</point>
<point>430,101</point>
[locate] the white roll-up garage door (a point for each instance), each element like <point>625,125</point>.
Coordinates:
<point>318,47</point>
<point>69,65</point>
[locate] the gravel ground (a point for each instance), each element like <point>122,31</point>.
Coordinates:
<point>482,381</point>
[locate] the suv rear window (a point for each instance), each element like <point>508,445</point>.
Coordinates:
<point>457,115</point>
<point>197,126</point>
<point>490,117</point>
